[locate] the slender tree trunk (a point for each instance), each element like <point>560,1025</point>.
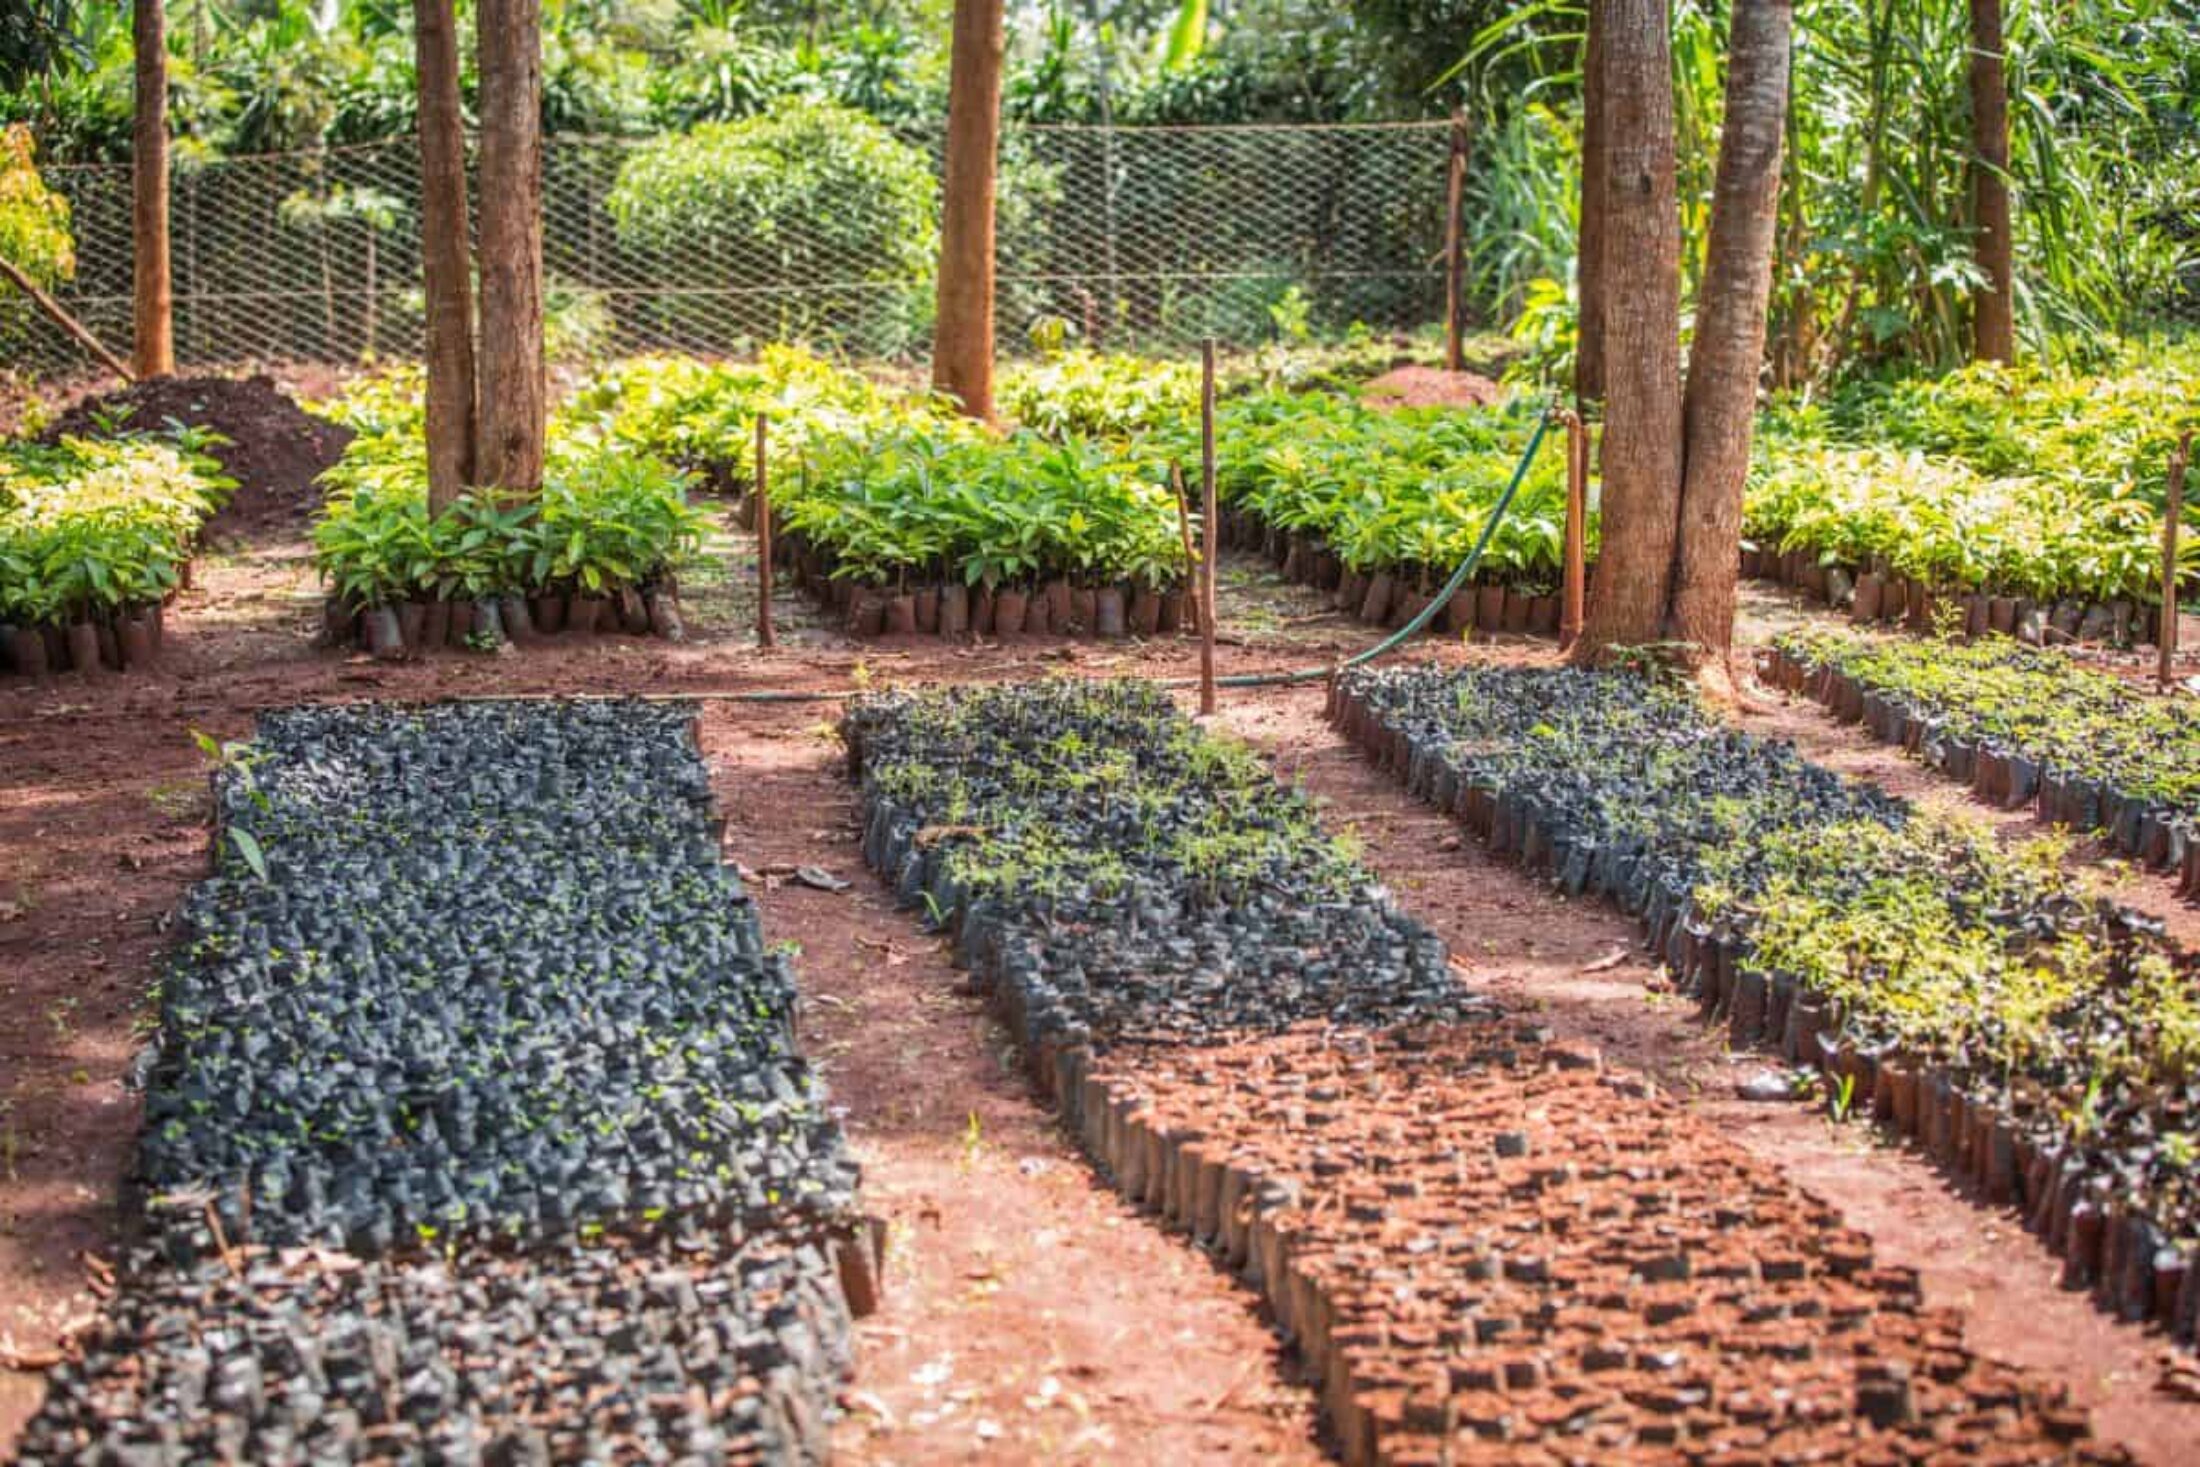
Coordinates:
<point>153,288</point>
<point>1589,238</point>
<point>1641,287</point>
<point>962,341</point>
<point>1729,348</point>
<point>508,447</point>
<point>1993,321</point>
<point>445,256</point>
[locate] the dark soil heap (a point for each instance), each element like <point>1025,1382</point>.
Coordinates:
<point>275,448</point>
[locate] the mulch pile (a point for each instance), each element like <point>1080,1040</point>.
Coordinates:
<point>275,448</point>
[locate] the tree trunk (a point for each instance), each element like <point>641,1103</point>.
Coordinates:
<point>962,342</point>
<point>513,403</point>
<point>445,260</point>
<point>153,289</point>
<point>1729,347</point>
<point>1993,321</point>
<point>1589,237</point>
<point>1641,290</point>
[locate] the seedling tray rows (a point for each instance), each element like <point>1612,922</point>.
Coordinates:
<point>2037,1042</point>
<point>471,1038</point>
<point>1485,1248</point>
<point>2021,727</point>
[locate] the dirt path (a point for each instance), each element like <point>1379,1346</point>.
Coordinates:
<point>1029,1312</point>
<point>1578,964</point>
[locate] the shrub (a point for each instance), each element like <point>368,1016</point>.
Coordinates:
<point>809,196</point>
<point>88,529</point>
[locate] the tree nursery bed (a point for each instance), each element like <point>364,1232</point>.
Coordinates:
<point>2021,726</point>
<point>1484,1246</point>
<point>475,1123</point>
<point>2033,1040</point>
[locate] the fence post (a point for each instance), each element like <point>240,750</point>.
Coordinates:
<point>1576,558</point>
<point>2173,514</point>
<point>1207,526</point>
<point>1455,195</point>
<point>763,506</point>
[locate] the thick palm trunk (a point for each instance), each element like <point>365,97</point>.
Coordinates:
<point>513,400</point>
<point>962,344</point>
<point>1723,364</point>
<point>1993,323</point>
<point>444,255</point>
<point>1641,291</point>
<point>1589,237</point>
<point>152,286</point>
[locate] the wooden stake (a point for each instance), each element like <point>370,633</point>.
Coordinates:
<point>1455,269</point>
<point>1575,588</point>
<point>1207,526</point>
<point>78,332</point>
<point>763,504</point>
<point>1184,531</point>
<point>2173,514</point>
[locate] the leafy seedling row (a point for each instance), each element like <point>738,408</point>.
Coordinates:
<point>1124,879</point>
<point>2036,1040</point>
<point>2020,726</point>
<point>475,1127</point>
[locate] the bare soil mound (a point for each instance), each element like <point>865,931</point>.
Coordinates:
<point>274,452</point>
<point>1418,386</point>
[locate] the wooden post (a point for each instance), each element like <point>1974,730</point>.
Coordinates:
<point>78,332</point>
<point>1455,268</point>
<point>763,508</point>
<point>1207,526</point>
<point>2173,514</point>
<point>1576,560</point>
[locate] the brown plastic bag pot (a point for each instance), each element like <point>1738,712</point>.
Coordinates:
<point>1753,562</point>
<point>901,615</point>
<point>633,611</point>
<point>928,610</point>
<point>82,641</point>
<point>1489,607</point>
<point>1009,607</point>
<point>868,613</point>
<point>1543,615</point>
<point>1172,613</point>
<point>1459,611</point>
<point>1059,607</point>
<point>1145,612</point>
<point>1107,611</point>
<point>1038,615</point>
<point>110,646</point>
<point>981,611</point>
<point>27,650</point>
<point>135,633</point>
<point>549,614</point>
<point>580,614</point>
<point>1516,612</point>
<point>1869,592</point>
<point>461,624</point>
<point>954,609</point>
<point>1083,603</point>
<point>2001,614</point>
<point>412,617</point>
<point>1375,604</point>
<point>338,622</point>
<point>435,623</point>
<point>1351,591</point>
<point>664,616</point>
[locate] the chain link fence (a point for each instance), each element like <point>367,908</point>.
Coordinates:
<point>1136,237</point>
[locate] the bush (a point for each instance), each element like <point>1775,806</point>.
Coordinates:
<point>811,197</point>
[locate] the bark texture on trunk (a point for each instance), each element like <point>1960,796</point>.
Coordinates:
<point>152,286</point>
<point>962,343</point>
<point>512,406</point>
<point>1589,237</point>
<point>1641,290</point>
<point>1721,402</point>
<point>1993,319</point>
<point>445,255</point>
